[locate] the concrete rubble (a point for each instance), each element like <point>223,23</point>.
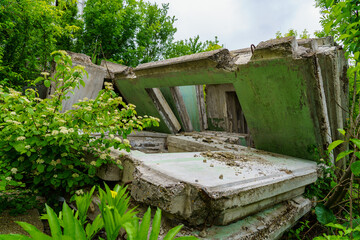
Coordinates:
<point>285,97</point>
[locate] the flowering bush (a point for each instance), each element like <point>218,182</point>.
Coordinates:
<point>45,148</point>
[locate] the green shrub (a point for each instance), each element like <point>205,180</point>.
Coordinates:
<point>45,148</point>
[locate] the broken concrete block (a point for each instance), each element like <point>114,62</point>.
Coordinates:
<point>114,68</point>
<point>148,142</point>
<point>109,172</point>
<point>185,185</point>
<point>93,83</point>
<point>206,141</point>
<point>275,48</point>
<point>266,225</point>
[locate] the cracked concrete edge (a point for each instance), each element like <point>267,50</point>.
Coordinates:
<point>194,204</point>
<point>114,68</point>
<point>269,224</point>
<point>219,55</point>
<point>224,59</point>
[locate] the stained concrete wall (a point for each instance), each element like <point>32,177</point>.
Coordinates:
<point>280,86</point>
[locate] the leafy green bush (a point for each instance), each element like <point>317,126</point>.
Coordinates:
<point>45,148</point>
<point>115,214</point>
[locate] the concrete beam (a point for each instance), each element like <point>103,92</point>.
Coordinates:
<point>164,110</point>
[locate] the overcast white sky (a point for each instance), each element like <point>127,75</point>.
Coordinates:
<point>239,23</point>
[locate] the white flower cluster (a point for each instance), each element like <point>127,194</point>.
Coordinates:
<point>64,130</point>
<point>79,192</point>
<point>40,161</point>
<point>12,121</point>
<point>14,93</point>
<point>55,132</point>
<point>21,138</point>
<point>75,175</point>
<point>14,170</point>
<point>108,86</point>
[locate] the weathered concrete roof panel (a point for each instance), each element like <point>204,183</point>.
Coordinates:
<point>219,58</point>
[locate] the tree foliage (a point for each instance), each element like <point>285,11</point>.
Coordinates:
<point>29,30</point>
<point>292,32</point>
<point>130,32</point>
<point>193,45</point>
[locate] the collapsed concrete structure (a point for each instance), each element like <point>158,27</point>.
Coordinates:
<point>285,96</point>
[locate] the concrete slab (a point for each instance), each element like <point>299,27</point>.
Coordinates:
<point>266,225</point>
<point>218,187</point>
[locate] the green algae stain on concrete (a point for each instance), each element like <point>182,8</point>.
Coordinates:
<point>190,100</point>
<point>273,95</point>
